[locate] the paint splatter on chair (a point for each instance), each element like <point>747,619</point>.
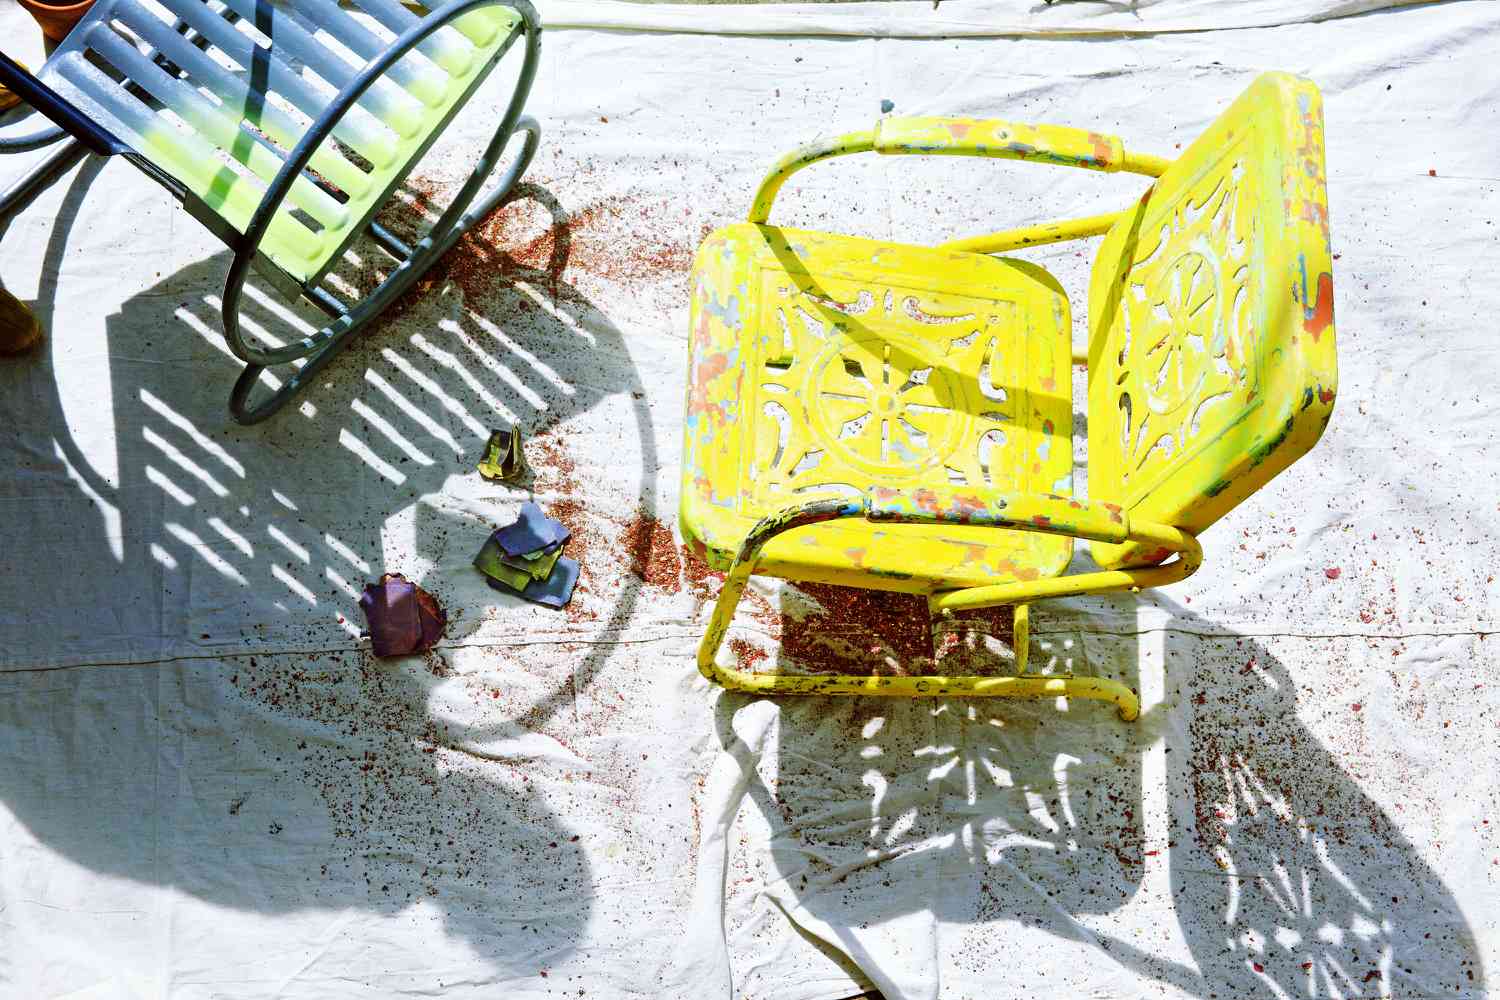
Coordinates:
<point>284,128</point>
<point>880,415</point>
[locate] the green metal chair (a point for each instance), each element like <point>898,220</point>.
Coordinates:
<point>284,128</point>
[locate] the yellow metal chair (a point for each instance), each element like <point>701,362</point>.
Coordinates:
<point>897,417</point>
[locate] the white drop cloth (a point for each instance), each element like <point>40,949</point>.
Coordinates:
<point>208,790</point>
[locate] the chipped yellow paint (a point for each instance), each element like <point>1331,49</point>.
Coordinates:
<point>824,365</point>
<point>1211,349</point>
<point>841,390</point>
<point>1057,144</point>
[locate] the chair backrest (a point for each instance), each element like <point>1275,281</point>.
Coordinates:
<point>224,113</point>
<point>1211,343</point>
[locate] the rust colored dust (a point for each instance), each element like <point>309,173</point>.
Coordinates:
<point>819,628</point>
<point>619,239</point>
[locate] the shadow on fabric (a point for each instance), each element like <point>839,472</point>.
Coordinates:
<point>934,821</point>
<point>374,784</point>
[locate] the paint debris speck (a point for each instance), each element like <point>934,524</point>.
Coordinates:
<point>1332,572</point>
<point>1356,706</point>
<point>887,106</point>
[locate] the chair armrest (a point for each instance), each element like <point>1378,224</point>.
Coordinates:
<point>1056,144</point>
<point>1053,515</point>
<point>1040,512</point>
<point>1060,145</point>
<point>937,136</point>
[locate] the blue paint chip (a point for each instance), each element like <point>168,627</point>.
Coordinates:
<point>553,592</point>
<point>531,532</point>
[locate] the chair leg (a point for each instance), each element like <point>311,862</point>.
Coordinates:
<point>1020,636</point>
<point>324,344</point>
<point>1025,685</point>
<point>736,678</point>
<point>56,163</point>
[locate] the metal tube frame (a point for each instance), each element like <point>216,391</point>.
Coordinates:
<point>868,141</point>
<point>943,603</point>
<point>318,349</point>
<point>1189,555</point>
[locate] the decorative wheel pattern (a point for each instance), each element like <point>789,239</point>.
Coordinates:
<point>1184,302</point>
<point>882,407</point>
<point>1185,369</point>
<point>887,385</point>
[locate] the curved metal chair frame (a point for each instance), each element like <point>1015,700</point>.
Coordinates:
<point>317,349</point>
<point>1017,512</point>
<point>1255,178</point>
<point>1053,515</point>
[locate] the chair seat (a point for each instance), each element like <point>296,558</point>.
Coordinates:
<point>822,365</point>
<point>224,124</point>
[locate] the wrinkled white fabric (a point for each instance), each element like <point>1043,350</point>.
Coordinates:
<point>953,18</point>
<point>209,789</point>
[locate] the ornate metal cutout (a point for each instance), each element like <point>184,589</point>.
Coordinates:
<point>885,384</point>
<point>1187,365</point>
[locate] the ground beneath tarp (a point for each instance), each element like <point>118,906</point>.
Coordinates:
<point>209,788</point>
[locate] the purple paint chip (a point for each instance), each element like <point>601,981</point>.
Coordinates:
<point>403,618</point>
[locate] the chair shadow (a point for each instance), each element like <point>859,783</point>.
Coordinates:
<point>273,529</point>
<point>1286,878</point>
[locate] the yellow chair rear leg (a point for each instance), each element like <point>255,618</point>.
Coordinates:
<point>1120,695</point>
<point>1020,636</point>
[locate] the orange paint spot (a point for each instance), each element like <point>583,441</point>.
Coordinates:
<point>701,399</point>
<point>1320,316</point>
<point>1315,214</point>
<point>1102,150</point>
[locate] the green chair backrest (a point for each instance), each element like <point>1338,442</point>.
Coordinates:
<point>223,124</point>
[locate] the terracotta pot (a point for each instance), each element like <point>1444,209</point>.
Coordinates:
<point>19,329</point>
<point>56,19</point>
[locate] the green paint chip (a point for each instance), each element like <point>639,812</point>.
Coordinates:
<point>503,461</point>
<point>538,565</point>
<point>491,562</point>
